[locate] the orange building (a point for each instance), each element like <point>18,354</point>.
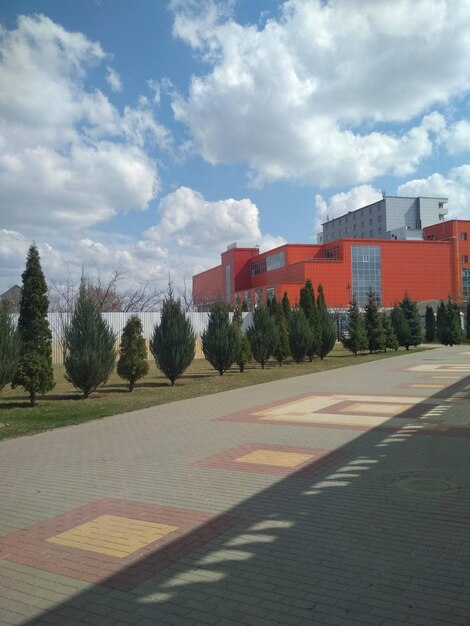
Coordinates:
<point>433,268</point>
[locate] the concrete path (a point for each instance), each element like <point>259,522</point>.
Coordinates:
<point>335,498</point>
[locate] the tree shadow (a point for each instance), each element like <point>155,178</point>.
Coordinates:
<point>340,541</point>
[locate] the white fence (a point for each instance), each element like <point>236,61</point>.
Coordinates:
<point>117,321</point>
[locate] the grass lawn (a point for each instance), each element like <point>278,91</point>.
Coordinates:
<point>64,405</point>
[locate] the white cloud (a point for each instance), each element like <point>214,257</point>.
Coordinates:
<point>301,98</point>
<point>69,158</point>
<point>455,186</point>
<point>113,79</point>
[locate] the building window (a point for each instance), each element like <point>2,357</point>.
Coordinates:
<point>228,283</point>
<point>275,261</point>
<point>270,292</point>
<point>370,221</point>
<point>259,267</point>
<point>331,253</point>
<point>463,236</point>
<point>379,217</point>
<point>466,283</point>
<point>248,299</point>
<point>258,296</point>
<point>366,273</point>
<point>464,258</point>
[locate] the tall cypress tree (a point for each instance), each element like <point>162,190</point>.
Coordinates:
<point>375,332</point>
<point>132,363</point>
<point>442,324</point>
<point>355,340</point>
<point>391,340</point>
<point>286,305</point>
<point>400,326</point>
<point>410,309</point>
<point>308,304</point>
<point>90,343</point>
<point>9,347</point>
<point>262,335</point>
<point>455,328</point>
<point>34,371</point>
<point>300,335</point>
<point>281,350</point>
<point>173,341</point>
<point>220,340</point>
<point>326,327</point>
<point>430,324</point>
<point>244,354</point>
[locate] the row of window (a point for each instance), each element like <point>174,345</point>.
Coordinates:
<point>272,262</point>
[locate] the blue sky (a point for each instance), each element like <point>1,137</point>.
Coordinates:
<point>147,136</point>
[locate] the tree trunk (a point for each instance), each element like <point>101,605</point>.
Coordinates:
<point>131,385</point>
<point>32,398</point>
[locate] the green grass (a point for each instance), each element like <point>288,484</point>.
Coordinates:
<point>65,406</point>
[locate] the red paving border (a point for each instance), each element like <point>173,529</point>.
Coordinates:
<point>29,546</point>
<point>321,461</point>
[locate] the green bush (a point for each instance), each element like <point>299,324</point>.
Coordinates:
<point>132,364</point>
<point>220,340</point>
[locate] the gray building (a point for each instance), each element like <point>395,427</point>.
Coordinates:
<point>392,217</point>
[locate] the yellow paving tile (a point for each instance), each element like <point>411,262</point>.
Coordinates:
<point>272,457</point>
<point>371,407</point>
<point>427,385</point>
<point>113,535</point>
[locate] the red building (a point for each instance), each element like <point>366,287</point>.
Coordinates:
<point>433,268</point>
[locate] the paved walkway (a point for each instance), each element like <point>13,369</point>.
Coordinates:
<point>335,498</point>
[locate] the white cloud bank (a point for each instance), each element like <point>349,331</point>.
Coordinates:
<point>301,98</point>
<point>68,158</point>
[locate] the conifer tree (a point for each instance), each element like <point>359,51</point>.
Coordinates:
<point>262,335</point>
<point>375,332</point>
<point>286,305</point>
<point>400,326</point>
<point>467,321</point>
<point>391,340</point>
<point>34,371</point>
<point>442,324</point>
<point>308,304</point>
<point>90,344</point>
<point>220,340</point>
<point>173,341</point>
<point>326,327</point>
<point>281,350</point>
<point>300,335</point>
<point>355,340</point>
<point>455,329</point>
<point>430,324</point>
<point>244,355</point>
<point>9,347</point>
<point>132,363</point>
<point>410,309</point>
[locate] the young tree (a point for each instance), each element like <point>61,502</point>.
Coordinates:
<point>220,340</point>
<point>132,363</point>
<point>244,354</point>
<point>309,306</point>
<point>34,371</point>
<point>375,332</point>
<point>455,329</point>
<point>355,340</point>
<point>173,340</point>
<point>286,305</point>
<point>410,309</point>
<point>90,342</point>
<point>430,324</point>
<point>391,340</point>
<point>9,347</point>
<point>400,326</point>
<point>442,324</point>
<point>262,335</point>
<point>281,350</point>
<point>300,335</point>
<point>326,327</point>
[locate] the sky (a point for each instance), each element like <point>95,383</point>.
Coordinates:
<point>147,136</point>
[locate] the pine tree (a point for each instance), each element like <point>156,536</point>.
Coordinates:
<point>220,340</point>
<point>262,335</point>
<point>410,309</point>
<point>34,371</point>
<point>173,341</point>
<point>244,355</point>
<point>300,335</point>
<point>326,327</point>
<point>286,305</point>
<point>400,326</point>
<point>442,324</point>
<point>309,306</point>
<point>430,324</point>
<point>455,328</point>
<point>132,363</point>
<point>467,321</point>
<point>90,344</point>
<point>355,340</point>
<point>281,350</point>
<point>391,340</point>
<point>9,347</point>
<point>375,332</point>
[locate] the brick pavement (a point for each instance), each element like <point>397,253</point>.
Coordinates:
<point>311,500</point>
